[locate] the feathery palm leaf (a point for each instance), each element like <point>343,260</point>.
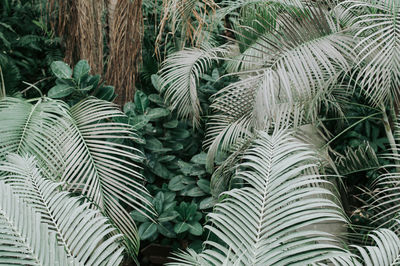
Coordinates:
<point>386,252</point>
<point>377,28</point>
<point>29,128</point>
<point>268,221</point>
<point>24,239</point>
<point>65,215</point>
<point>180,74</point>
<point>292,65</point>
<point>100,168</point>
<point>80,146</point>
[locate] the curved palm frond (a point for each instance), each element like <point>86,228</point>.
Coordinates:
<point>273,218</point>
<point>377,29</point>
<point>180,74</point>
<point>81,147</point>
<point>101,168</point>
<point>24,239</point>
<point>29,128</point>
<point>295,64</point>
<point>386,252</point>
<point>65,215</point>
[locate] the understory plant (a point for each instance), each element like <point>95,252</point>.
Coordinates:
<point>77,148</point>
<point>299,65</point>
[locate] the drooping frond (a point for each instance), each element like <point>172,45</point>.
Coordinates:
<point>377,29</point>
<point>65,215</point>
<point>289,67</point>
<point>273,218</point>
<point>24,239</point>
<point>386,251</point>
<point>101,168</point>
<point>362,158</point>
<point>180,74</point>
<point>29,128</point>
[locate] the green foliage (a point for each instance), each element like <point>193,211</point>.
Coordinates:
<point>78,84</point>
<point>62,214</point>
<point>79,146</point>
<point>27,48</point>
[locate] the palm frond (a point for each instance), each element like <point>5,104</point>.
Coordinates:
<point>386,251</point>
<point>377,30</point>
<point>291,66</point>
<point>24,240</point>
<point>362,158</point>
<point>269,220</point>
<point>101,168</point>
<point>29,128</point>
<point>66,216</point>
<point>180,74</point>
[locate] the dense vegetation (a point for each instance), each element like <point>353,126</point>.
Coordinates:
<point>261,132</point>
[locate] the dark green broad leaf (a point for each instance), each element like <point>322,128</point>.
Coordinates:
<point>169,197</point>
<point>129,108</point>
<point>155,80</point>
<point>158,201</point>
<point>180,133</point>
<point>195,192</point>
<point>166,158</point>
<point>204,184</point>
<point>61,70</point>
<point>215,74</point>
<point>181,227</point>
<point>138,122</point>
<point>81,68</point>
<point>195,228</point>
<point>157,99</point>
<point>160,170</point>
<point>106,93</point>
<point>166,229</point>
<point>147,230</point>
<point>157,113</point>
<point>175,146</point>
<point>60,91</point>
<point>176,184</point>
<point>207,203</point>
<point>141,102</point>
<point>185,167</point>
<point>87,88</point>
<point>167,216</point>
<point>154,145</point>
<point>171,124</point>
<point>200,158</point>
<point>138,216</point>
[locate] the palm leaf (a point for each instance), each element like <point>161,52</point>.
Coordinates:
<point>291,65</point>
<point>24,240</point>
<point>29,128</point>
<point>386,251</point>
<point>377,29</point>
<point>180,74</point>
<point>269,220</point>
<point>79,229</point>
<point>100,168</point>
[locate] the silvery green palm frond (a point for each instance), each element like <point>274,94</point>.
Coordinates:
<point>386,251</point>
<point>29,128</point>
<point>24,239</point>
<point>101,168</point>
<point>297,63</point>
<point>79,229</point>
<point>376,26</point>
<point>273,218</point>
<point>180,74</point>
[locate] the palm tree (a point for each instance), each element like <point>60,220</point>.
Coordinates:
<point>294,59</point>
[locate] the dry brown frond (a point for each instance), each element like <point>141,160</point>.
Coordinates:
<point>188,16</point>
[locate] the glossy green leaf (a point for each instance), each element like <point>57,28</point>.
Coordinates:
<point>60,91</point>
<point>61,70</point>
<point>147,230</point>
